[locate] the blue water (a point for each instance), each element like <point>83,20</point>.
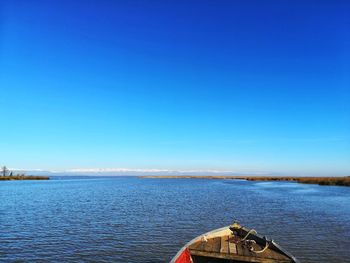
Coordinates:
<point>128,219</point>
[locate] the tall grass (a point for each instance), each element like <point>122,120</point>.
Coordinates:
<point>340,181</point>
<point>23,177</point>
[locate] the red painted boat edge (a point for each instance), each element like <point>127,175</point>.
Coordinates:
<point>184,257</point>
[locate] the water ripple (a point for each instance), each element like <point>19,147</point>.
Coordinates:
<point>135,220</point>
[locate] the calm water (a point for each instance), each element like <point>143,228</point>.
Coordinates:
<point>148,220</point>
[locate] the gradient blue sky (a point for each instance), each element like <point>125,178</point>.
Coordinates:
<point>242,86</point>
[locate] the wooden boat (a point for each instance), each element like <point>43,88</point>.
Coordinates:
<point>232,244</point>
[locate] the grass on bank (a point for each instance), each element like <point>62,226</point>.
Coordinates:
<point>23,177</point>
<point>338,181</point>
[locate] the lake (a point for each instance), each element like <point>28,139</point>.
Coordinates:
<point>127,219</point>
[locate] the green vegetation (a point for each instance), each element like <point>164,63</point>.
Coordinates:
<point>6,175</point>
<point>339,181</point>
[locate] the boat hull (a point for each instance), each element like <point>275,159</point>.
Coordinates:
<point>230,244</point>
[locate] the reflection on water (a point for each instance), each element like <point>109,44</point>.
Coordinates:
<point>148,220</point>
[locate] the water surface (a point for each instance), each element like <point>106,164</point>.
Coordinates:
<point>126,219</point>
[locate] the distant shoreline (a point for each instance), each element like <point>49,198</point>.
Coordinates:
<point>23,177</point>
<point>335,181</point>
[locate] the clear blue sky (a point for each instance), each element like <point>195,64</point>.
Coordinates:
<point>227,85</point>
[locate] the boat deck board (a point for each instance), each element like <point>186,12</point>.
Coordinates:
<point>224,247</point>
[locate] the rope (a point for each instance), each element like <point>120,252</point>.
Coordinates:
<point>263,250</point>
<point>251,231</point>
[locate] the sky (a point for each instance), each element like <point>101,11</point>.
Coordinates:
<point>260,87</point>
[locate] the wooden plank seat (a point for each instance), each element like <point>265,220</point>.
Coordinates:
<point>227,247</point>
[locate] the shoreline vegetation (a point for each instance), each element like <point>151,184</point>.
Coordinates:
<point>23,177</point>
<point>333,181</point>
<point>7,175</point>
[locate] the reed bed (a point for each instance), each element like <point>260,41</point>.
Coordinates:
<point>23,177</point>
<point>339,181</point>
